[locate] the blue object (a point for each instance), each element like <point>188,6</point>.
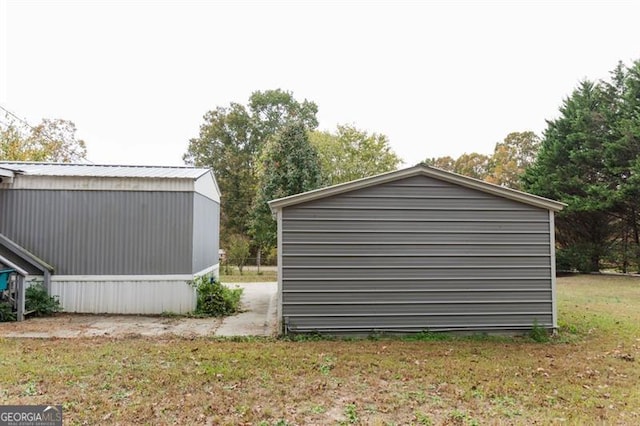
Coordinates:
<point>5,274</point>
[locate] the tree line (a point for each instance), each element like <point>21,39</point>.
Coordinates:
<point>588,158</point>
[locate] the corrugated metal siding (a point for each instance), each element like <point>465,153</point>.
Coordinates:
<point>415,254</point>
<point>206,228</point>
<point>125,297</point>
<point>104,232</point>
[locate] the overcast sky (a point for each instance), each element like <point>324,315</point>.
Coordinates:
<point>438,78</point>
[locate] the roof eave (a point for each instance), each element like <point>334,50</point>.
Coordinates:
<point>420,169</point>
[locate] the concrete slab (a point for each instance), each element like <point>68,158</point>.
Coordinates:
<point>257,319</point>
<point>259,312</point>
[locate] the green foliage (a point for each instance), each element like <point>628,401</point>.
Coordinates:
<point>351,414</point>
<point>288,166</point>
<point>238,251</point>
<point>6,312</point>
<point>215,299</point>
<point>575,258</point>
<point>231,140</point>
<point>351,154</point>
<point>38,300</point>
<point>428,336</point>
<point>590,159</point>
<point>538,334</point>
<point>51,140</point>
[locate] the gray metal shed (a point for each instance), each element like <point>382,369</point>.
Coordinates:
<point>121,239</point>
<point>412,250</point>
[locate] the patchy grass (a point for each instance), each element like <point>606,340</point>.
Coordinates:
<point>250,276</point>
<point>587,374</point>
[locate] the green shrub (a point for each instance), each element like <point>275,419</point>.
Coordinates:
<point>215,299</point>
<point>6,312</point>
<point>39,302</point>
<point>576,258</point>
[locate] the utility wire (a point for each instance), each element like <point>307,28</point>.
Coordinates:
<point>26,123</point>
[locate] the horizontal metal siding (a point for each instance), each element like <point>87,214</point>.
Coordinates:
<point>415,254</point>
<point>206,232</point>
<point>424,284</point>
<point>102,232</point>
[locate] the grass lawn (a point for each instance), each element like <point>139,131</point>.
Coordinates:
<point>249,274</point>
<point>589,374</point>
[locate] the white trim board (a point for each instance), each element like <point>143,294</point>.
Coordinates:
<point>177,277</point>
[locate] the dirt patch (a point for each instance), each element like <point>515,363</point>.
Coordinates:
<point>77,325</point>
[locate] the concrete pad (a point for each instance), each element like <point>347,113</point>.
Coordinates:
<point>259,311</point>
<point>257,319</point>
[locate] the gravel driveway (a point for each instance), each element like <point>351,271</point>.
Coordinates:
<point>257,319</point>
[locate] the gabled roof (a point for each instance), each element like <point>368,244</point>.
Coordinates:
<point>98,170</point>
<point>419,170</point>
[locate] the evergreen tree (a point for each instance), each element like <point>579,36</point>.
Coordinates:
<point>289,165</point>
<point>230,142</point>
<point>570,168</point>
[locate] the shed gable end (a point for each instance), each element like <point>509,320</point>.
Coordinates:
<point>412,254</point>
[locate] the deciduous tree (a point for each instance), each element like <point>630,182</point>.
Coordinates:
<point>231,141</point>
<point>351,154</point>
<point>51,140</point>
<point>511,157</point>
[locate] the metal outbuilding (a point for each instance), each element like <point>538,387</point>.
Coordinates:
<point>413,250</point>
<point>111,239</point>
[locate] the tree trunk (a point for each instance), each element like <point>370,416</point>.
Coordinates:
<point>258,259</point>
<point>636,235</point>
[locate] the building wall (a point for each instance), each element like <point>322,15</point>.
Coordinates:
<point>125,295</point>
<point>102,232</point>
<point>415,254</point>
<point>206,229</point>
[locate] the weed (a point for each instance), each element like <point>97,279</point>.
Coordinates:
<point>318,409</point>
<point>423,419</point>
<point>327,365</point>
<point>31,389</point>
<point>428,336</point>
<point>506,406</point>
<point>351,414</point>
<point>538,334</point>
<point>459,417</point>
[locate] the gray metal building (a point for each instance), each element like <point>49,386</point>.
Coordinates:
<point>120,239</point>
<point>412,250</point>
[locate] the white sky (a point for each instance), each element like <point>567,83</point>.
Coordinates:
<point>437,77</point>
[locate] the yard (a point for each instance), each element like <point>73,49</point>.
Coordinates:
<point>589,373</point>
